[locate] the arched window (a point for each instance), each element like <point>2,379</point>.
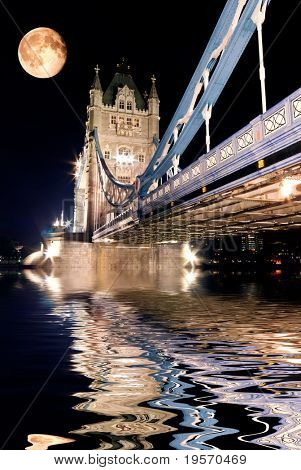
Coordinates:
<point>124,151</point>
<point>129,106</point>
<point>124,156</point>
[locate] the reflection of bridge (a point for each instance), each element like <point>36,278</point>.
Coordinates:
<point>143,357</point>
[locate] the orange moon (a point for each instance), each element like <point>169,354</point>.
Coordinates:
<point>42,52</point>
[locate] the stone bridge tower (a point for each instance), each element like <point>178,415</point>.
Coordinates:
<point>128,126</point>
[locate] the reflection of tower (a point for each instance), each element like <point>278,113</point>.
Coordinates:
<point>128,126</point>
<point>122,378</point>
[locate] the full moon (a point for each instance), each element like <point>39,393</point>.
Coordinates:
<point>42,52</point>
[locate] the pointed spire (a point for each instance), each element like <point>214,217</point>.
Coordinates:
<point>96,83</point>
<point>153,92</point>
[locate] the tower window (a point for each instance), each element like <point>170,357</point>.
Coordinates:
<point>124,179</point>
<point>141,158</point>
<point>129,106</point>
<point>124,151</point>
<point>113,119</point>
<point>124,156</point>
<point>136,122</point>
<point>121,104</point>
<point>129,121</point>
<point>107,154</point>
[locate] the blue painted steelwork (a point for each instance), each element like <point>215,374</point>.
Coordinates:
<point>275,131</point>
<point>227,62</point>
<point>219,33</point>
<point>219,162</point>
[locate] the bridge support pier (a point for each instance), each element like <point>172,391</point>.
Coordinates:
<point>65,254</point>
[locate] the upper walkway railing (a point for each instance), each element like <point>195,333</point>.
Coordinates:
<point>275,132</point>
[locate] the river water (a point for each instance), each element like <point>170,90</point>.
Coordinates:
<point>192,360</point>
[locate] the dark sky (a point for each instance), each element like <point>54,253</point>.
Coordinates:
<point>40,134</point>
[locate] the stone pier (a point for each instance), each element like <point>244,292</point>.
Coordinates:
<point>80,255</point>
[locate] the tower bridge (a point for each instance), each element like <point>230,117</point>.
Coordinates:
<point>131,186</point>
<point>251,181</point>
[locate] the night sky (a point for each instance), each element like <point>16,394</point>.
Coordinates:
<point>41,134</point>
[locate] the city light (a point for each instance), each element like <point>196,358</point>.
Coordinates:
<point>56,223</point>
<point>189,278</point>
<point>52,250</point>
<point>189,255</point>
<point>288,187</point>
<point>77,168</point>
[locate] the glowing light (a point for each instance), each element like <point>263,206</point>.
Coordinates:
<point>77,167</point>
<point>53,283</point>
<point>53,250</point>
<point>107,240</point>
<point>288,187</point>
<point>124,159</point>
<point>68,223</point>
<point>189,278</point>
<point>189,255</point>
<point>56,223</point>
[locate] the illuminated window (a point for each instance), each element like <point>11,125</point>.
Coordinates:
<point>124,151</point>
<point>129,121</point>
<point>136,122</point>
<point>107,154</point>
<point>129,106</point>
<point>121,104</point>
<point>113,119</point>
<point>124,156</point>
<point>141,158</point>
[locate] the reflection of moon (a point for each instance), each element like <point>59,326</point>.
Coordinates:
<point>42,52</point>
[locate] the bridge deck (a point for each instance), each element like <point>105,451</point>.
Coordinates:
<point>232,189</point>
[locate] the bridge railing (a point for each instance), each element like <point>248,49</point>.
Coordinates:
<point>236,151</point>
<point>269,132</point>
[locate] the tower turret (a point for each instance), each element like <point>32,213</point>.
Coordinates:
<point>153,109</point>
<point>96,92</point>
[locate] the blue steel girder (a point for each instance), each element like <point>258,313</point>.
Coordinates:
<point>219,33</point>
<point>232,52</point>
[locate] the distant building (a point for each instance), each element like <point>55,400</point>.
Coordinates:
<point>128,127</point>
<point>252,242</point>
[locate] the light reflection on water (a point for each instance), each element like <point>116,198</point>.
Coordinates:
<point>181,361</point>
